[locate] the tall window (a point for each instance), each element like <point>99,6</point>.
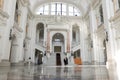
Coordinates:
<point>58,8</point>
<point>74,35</point>
<point>53,9</point>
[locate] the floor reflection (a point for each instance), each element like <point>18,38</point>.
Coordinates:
<point>56,73</point>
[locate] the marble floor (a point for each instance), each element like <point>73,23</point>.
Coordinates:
<point>58,73</point>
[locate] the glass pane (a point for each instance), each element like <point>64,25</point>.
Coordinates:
<point>77,14</point>
<point>41,10</point>
<point>46,8</point>
<point>58,13</point>
<point>58,7</point>
<point>64,7</point>
<point>46,12</point>
<point>70,13</point>
<point>52,7</point>
<point>63,13</point>
<point>70,9</point>
<point>75,10</point>
<point>52,12</point>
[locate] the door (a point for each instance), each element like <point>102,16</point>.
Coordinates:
<point>58,59</point>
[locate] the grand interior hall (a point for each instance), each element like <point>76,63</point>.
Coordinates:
<point>59,39</point>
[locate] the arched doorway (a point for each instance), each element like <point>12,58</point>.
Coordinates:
<point>58,59</point>
<point>58,47</point>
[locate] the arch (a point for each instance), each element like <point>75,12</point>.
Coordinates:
<point>58,36</point>
<point>58,43</point>
<point>38,3</point>
<point>57,8</point>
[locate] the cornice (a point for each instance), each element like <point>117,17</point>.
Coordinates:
<point>25,2</point>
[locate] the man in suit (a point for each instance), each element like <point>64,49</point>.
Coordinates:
<point>65,61</point>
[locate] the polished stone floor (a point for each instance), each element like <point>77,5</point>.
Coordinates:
<point>58,73</point>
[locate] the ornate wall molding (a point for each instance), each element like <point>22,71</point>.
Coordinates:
<point>3,17</point>
<point>17,27</point>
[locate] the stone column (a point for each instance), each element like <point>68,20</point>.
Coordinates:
<point>68,41</point>
<point>48,41</point>
<point>93,26</point>
<point>19,50</point>
<point>7,23</point>
<point>108,13</point>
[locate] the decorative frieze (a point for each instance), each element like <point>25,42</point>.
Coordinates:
<point>3,17</point>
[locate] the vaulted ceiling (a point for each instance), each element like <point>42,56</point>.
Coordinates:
<point>82,5</point>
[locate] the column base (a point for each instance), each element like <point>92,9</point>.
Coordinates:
<point>4,63</point>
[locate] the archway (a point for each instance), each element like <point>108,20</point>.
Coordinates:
<point>58,47</point>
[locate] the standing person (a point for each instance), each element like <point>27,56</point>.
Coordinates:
<point>65,61</point>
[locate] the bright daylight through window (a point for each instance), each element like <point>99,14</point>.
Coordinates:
<point>58,9</point>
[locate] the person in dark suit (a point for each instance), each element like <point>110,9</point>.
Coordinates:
<point>65,61</point>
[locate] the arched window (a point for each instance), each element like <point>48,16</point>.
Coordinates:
<point>58,8</point>
<point>40,33</point>
<point>75,34</point>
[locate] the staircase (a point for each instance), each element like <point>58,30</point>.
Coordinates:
<point>51,60</point>
<point>75,46</point>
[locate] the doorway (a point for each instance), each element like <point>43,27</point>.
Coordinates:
<point>58,59</point>
<point>38,57</point>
